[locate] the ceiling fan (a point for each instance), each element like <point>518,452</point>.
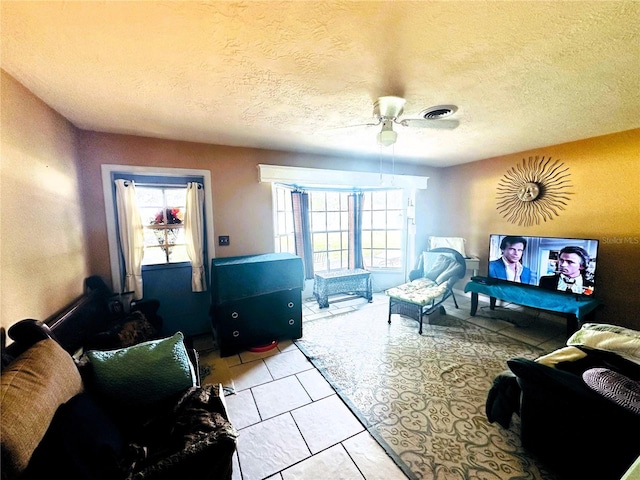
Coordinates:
<point>388,110</point>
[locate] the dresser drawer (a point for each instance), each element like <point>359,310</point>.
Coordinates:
<point>257,321</point>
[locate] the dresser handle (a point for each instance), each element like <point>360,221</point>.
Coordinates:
<point>234,315</point>
<point>291,321</point>
<point>290,305</point>
<point>236,333</point>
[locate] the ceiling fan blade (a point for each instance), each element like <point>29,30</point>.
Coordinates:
<point>371,124</point>
<point>443,124</point>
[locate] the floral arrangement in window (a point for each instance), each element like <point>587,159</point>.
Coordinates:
<point>173,216</point>
<point>166,235</point>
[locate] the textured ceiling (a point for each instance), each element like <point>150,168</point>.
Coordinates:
<point>294,75</point>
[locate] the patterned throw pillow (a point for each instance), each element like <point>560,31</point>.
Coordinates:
<point>614,386</point>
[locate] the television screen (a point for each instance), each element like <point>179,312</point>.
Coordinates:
<point>560,264</point>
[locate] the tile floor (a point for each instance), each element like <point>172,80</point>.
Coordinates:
<point>291,423</point>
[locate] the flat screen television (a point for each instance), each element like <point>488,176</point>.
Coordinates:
<point>559,264</point>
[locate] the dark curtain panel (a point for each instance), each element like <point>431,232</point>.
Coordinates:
<point>302,230</point>
<point>355,230</point>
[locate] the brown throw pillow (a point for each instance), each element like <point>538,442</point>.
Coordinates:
<point>32,388</point>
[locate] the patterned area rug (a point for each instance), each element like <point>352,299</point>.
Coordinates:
<point>423,397</point>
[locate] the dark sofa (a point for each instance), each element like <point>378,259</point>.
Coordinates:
<point>577,427</point>
<point>578,432</point>
<point>98,392</point>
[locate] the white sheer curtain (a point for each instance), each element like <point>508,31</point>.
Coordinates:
<point>131,236</point>
<point>194,234</point>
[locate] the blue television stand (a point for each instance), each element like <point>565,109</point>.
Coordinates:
<point>578,309</point>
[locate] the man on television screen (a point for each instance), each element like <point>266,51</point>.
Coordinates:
<point>509,265</point>
<point>570,272</point>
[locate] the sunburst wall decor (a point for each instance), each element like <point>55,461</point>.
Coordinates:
<point>533,190</point>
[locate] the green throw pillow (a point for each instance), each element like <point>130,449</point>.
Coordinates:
<point>144,373</point>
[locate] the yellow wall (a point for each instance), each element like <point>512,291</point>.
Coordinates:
<point>605,204</point>
<point>43,255</point>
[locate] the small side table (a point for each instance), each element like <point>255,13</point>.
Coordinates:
<point>352,281</point>
<point>473,264</point>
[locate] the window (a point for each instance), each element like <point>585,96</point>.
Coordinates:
<point>284,221</point>
<point>329,212</point>
<point>162,213</point>
<point>383,227</point>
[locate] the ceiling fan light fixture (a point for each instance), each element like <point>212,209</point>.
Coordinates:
<point>438,111</point>
<point>387,138</point>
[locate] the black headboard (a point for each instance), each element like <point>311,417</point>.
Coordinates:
<point>71,326</point>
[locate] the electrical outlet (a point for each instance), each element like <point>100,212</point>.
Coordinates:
<point>223,240</point>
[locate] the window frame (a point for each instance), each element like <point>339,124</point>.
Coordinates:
<point>165,226</point>
<point>283,210</point>
<point>407,199</point>
<point>328,254</point>
<point>400,210</point>
<point>112,171</point>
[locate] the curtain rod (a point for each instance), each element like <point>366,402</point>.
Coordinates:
<point>326,188</point>
<point>165,185</point>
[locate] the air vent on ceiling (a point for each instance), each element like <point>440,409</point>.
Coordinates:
<point>439,111</point>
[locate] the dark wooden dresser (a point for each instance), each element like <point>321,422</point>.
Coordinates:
<point>255,300</point>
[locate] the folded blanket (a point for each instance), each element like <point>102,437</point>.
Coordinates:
<point>566,354</point>
<point>193,438</point>
<point>610,338</point>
